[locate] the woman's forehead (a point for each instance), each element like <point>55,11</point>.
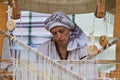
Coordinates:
<point>57,28</point>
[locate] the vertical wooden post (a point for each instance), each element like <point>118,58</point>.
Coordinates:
<point>3,20</point>
<point>116,73</point>
<point>117,30</point>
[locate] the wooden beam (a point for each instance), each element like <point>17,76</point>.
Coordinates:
<point>117,29</point>
<point>117,19</point>
<point>116,73</point>
<point>67,6</point>
<point>3,20</point>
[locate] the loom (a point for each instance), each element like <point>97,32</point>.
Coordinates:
<point>28,64</point>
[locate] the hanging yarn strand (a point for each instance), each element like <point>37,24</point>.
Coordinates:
<point>103,40</point>
<point>11,25</point>
<point>92,49</point>
<point>105,23</point>
<point>92,33</point>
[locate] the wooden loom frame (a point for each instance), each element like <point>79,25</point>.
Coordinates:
<point>116,73</point>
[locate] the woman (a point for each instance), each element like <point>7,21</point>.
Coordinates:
<point>68,43</point>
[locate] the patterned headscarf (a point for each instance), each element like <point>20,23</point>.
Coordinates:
<point>77,37</point>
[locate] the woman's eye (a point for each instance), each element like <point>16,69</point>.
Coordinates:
<point>54,33</point>
<point>62,30</point>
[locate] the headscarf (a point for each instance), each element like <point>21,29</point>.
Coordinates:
<point>77,37</point>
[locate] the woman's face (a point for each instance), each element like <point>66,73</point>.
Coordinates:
<point>61,35</point>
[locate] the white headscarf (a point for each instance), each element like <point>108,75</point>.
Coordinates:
<point>77,37</point>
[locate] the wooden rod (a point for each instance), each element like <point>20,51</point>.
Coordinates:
<point>3,20</point>
<point>116,73</point>
<point>89,61</point>
<point>117,30</point>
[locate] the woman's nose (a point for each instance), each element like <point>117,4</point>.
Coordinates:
<point>59,35</point>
